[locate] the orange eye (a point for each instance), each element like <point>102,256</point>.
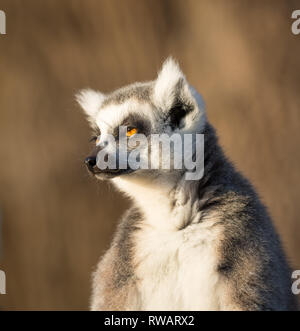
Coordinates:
<point>131,132</point>
<point>98,140</point>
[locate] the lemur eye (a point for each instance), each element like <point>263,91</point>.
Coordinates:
<point>96,139</point>
<point>131,131</point>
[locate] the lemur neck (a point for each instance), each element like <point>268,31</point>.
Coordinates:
<point>164,205</point>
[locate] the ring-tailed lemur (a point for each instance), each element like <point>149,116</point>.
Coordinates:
<point>205,244</point>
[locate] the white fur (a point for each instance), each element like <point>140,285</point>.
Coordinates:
<point>90,101</point>
<point>173,264</point>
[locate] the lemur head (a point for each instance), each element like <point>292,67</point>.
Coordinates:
<point>167,106</point>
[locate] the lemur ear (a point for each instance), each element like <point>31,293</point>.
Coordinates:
<point>90,101</point>
<point>174,96</point>
<point>166,85</point>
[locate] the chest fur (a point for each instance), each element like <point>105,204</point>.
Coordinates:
<point>176,270</point>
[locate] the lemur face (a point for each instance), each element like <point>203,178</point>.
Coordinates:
<point>128,121</point>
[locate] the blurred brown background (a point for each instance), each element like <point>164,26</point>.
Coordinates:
<point>56,220</point>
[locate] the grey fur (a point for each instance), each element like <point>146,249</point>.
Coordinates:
<point>251,256</point>
<point>138,91</point>
<point>115,273</point>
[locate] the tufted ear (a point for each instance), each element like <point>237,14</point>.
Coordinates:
<point>175,97</point>
<point>90,101</point>
<point>167,83</point>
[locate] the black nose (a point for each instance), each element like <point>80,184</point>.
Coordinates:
<point>90,162</point>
